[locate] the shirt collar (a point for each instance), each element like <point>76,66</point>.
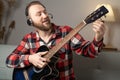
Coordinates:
<point>56,32</point>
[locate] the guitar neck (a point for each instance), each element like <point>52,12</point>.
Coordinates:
<point>52,51</point>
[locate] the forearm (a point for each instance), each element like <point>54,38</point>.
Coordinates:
<point>92,49</point>
<point>17,61</point>
<point>19,57</point>
<point>87,48</point>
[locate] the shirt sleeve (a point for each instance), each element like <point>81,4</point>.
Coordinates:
<point>19,57</point>
<point>86,48</point>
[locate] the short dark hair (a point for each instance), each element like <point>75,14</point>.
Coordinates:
<point>30,4</point>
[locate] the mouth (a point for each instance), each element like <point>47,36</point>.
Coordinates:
<point>45,21</point>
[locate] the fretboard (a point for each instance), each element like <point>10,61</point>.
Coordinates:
<point>52,51</point>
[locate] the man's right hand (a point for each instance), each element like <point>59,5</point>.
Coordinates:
<point>37,60</point>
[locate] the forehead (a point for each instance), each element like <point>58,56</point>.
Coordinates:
<point>36,8</point>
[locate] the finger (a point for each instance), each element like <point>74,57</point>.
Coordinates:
<point>99,25</point>
<point>100,20</point>
<point>48,60</point>
<point>41,64</point>
<point>42,53</point>
<point>43,59</point>
<point>98,30</point>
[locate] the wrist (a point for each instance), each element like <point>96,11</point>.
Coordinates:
<point>98,38</point>
<point>29,58</point>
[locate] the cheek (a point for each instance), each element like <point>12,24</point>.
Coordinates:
<point>35,18</point>
<point>36,21</point>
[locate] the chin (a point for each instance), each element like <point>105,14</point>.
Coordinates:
<point>48,25</point>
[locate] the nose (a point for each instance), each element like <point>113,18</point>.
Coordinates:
<point>44,15</point>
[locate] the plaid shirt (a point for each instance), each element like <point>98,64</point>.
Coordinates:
<point>32,41</point>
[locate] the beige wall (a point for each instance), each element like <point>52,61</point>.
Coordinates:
<point>66,12</point>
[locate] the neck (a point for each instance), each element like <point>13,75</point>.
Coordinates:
<point>45,35</point>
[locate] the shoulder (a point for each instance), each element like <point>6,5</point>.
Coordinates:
<point>61,27</point>
<point>30,35</point>
<point>66,27</point>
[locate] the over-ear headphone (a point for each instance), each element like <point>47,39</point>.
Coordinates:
<point>29,20</point>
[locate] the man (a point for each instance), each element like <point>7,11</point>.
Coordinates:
<point>49,34</point>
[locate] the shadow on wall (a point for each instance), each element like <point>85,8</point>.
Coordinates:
<point>117,15</point>
<point>7,24</point>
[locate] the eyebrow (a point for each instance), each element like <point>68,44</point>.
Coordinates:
<point>41,11</point>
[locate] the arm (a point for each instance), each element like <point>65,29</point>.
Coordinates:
<point>87,48</point>
<point>25,54</point>
<point>19,57</point>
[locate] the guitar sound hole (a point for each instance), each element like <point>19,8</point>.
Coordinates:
<point>43,48</point>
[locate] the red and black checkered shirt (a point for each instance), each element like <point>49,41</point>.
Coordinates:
<point>32,41</point>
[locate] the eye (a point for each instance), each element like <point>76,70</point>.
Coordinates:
<point>39,14</point>
<point>45,12</point>
<point>42,12</point>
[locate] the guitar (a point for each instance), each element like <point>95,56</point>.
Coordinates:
<point>49,71</point>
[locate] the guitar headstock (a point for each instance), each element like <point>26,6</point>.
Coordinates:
<point>96,15</point>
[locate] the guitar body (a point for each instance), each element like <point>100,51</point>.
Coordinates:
<point>33,73</point>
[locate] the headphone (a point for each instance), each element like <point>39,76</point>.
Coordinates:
<point>29,20</point>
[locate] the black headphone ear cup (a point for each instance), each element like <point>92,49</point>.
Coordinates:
<point>29,22</point>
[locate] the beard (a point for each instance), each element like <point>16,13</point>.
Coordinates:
<point>44,27</point>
